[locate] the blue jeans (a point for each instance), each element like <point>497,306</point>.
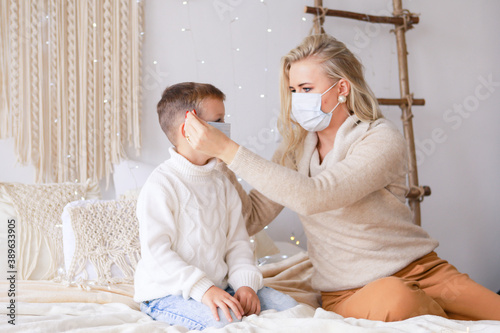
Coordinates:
<point>194,315</point>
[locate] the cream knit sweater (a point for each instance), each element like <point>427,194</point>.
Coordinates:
<point>192,233</point>
<point>352,205</point>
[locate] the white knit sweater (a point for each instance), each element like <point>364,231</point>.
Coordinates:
<point>352,205</point>
<point>192,233</point>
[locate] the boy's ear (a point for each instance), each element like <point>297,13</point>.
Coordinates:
<point>182,130</point>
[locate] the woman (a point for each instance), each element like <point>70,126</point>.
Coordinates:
<point>342,168</point>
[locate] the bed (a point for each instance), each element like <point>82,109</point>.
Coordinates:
<point>48,306</point>
<point>73,269</point>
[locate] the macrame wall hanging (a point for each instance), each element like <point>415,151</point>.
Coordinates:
<point>70,84</point>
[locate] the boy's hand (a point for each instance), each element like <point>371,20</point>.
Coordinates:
<point>249,300</point>
<point>217,298</point>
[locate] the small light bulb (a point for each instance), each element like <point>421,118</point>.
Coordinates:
<point>297,242</point>
<point>292,238</point>
<point>269,30</point>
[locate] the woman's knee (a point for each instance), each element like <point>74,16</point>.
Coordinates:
<point>392,299</point>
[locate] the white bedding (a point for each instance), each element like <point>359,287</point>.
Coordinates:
<point>117,317</point>
<point>46,306</point>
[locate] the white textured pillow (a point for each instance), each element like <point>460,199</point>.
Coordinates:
<point>36,210</point>
<point>101,241</point>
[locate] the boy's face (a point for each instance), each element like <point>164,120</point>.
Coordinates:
<point>212,110</point>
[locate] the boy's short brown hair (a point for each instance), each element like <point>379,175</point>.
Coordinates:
<point>182,97</point>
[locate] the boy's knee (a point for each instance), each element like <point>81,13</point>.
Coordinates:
<point>276,300</point>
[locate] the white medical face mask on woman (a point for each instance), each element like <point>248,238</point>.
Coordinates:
<point>306,110</point>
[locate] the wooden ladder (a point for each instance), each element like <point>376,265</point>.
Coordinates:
<point>403,20</point>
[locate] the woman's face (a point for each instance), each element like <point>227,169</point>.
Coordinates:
<point>307,76</point>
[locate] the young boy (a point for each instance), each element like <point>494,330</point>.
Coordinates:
<point>197,267</point>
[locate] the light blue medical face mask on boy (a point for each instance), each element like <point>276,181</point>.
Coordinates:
<point>223,127</point>
<point>306,110</point>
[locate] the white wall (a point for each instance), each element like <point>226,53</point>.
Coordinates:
<point>452,51</point>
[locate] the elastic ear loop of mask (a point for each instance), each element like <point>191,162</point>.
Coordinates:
<point>328,91</point>
<point>334,108</point>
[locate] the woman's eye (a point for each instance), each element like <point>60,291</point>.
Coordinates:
<point>307,89</point>
<point>292,90</point>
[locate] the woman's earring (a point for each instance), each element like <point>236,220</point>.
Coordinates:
<point>342,99</point>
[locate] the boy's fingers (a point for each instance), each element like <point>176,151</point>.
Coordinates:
<point>237,309</point>
<point>225,309</point>
<point>245,306</point>
<point>239,306</point>
<point>213,308</point>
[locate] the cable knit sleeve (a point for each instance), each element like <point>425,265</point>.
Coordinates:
<point>242,270</point>
<point>172,275</point>
<point>372,163</point>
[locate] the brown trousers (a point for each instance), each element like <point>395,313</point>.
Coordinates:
<point>428,285</point>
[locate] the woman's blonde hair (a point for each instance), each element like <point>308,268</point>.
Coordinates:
<point>338,63</point>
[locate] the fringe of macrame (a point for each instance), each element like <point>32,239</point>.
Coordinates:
<point>106,235</point>
<point>69,86</point>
